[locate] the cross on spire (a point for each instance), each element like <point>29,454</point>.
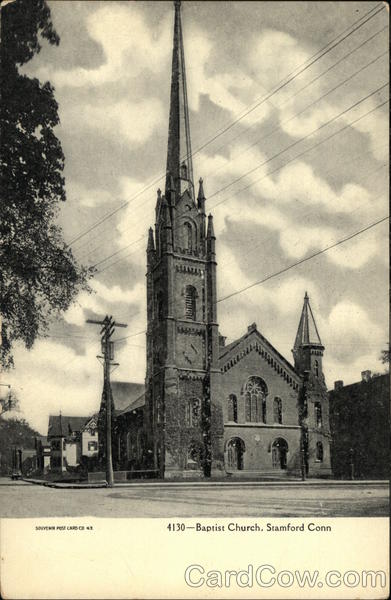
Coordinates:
<point>179,161</point>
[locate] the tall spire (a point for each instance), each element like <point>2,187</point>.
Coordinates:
<point>307,333</point>
<point>179,162</point>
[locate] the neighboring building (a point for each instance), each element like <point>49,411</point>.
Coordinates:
<point>71,438</point>
<point>360,428</point>
<point>210,408</point>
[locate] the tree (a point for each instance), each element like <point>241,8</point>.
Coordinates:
<point>39,276</point>
<point>9,402</point>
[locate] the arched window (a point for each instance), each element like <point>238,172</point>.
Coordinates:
<point>318,414</point>
<point>188,236</point>
<point>319,451</point>
<point>316,368</point>
<point>277,410</point>
<point>232,408</point>
<point>190,302</point>
<point>193,412</point>
<point>255,400</point>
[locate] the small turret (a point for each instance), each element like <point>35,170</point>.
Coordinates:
<point>210,240</point>
<point>308,348</point>
<point>151,243</point>
<point>201,209</point>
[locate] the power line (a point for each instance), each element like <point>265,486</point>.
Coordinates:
<point>272,158</point>
<point>297,263</point>
<point>322,52</point>
<point>270,133</point>
<point>303,260</point>
<point>299,140</point>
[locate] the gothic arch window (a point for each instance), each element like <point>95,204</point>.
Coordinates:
<point>318,414</point>
<point>319,451</point>
<point>190,302</point>
<point>316,368</point>
<point>255,400</point>
<point>193,412</point>
<point>233,408</point>
<point>188,236</point>
<point>277,410</point>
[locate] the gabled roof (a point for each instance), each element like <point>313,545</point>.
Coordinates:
<point>138,403</point>
<point>231,351</point>
<point>64,425</point>
<point>125,393</point>
<point>307,333</point>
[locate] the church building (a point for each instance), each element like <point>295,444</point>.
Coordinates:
<point>211,409</point>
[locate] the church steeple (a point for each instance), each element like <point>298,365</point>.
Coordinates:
<point>179,162</point>
<point>308,348</point>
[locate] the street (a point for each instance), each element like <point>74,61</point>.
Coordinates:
<point>329,499</point>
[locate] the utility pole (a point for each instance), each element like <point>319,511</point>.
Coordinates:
<point>108,328</point>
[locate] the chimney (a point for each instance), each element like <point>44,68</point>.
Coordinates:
<point>252,327</point>
<point>365,375</point>
<point>338,385</point>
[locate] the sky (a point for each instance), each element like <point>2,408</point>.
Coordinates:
<point>281,180</point>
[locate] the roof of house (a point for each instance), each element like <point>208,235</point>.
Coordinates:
<point>64,425</point>
<point>125,393</point>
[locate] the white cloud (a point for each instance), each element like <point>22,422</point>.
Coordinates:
<point>133,121</point>
<point>129,46</point>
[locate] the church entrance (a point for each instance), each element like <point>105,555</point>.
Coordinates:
<point>235,451</point>
<point>279,453</point>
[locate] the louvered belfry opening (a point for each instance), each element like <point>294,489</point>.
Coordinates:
<point>190,302</point>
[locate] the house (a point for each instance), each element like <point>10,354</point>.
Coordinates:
<point>42,447</point>
<point>72,439</point>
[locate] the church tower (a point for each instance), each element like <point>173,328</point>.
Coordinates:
<point>313,399</point>
<point>183,417</point>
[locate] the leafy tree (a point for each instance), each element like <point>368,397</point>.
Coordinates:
<point>14,433</point>
<point>39,275</point>
<point>9,402</point>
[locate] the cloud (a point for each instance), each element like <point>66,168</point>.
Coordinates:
<point>134,122</point>
<point>130,48</point>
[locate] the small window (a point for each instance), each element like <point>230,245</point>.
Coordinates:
<point>92,446</point>
<point>190,302</point>
<point>277,410</point>
<point>193,410</point>
<point>319,451</point>
<point>316,368</point>
<point>233,408</point>
<point>318,414</point>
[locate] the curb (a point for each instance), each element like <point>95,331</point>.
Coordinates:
<point>210,484</point>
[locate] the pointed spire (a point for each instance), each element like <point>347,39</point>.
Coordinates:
<point>201,195</point>
<point>211,233</point>
<point>179,162</point>
<point>151,243</point>
<point>307,333</point>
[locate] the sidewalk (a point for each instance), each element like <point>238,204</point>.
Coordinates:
<point>208,484</point>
